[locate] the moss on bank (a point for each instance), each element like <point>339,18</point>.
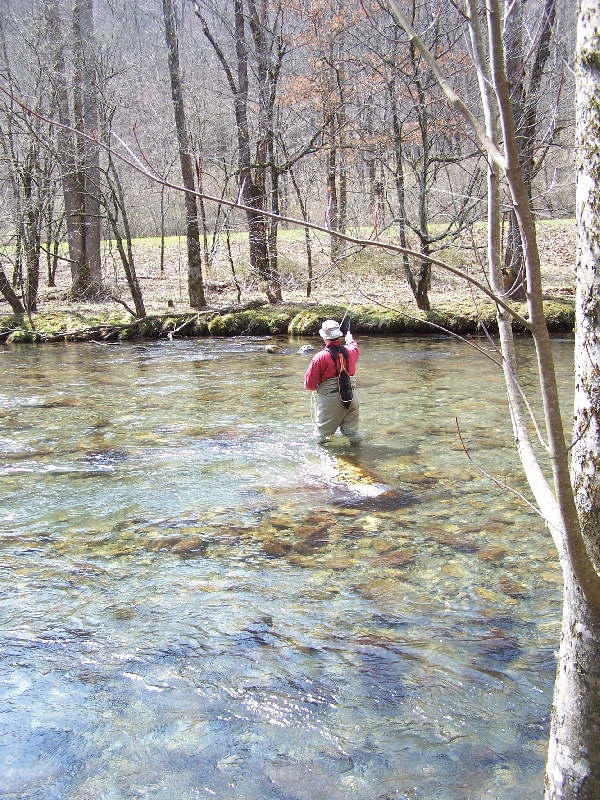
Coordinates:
<point>265,320</point>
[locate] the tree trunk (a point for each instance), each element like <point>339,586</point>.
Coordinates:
<point>524,99</point>
<point>332,218</point>
<point>84,248</point>
<point>90,152</point>
<point>267,73</point>
<point>9,294</point>
<point>116,200</point>
<point>573,769</point>
<point>251,191</point>
<point>307,239</point>
<point>513,272</point>
<point>195,279</point>
<point>514,259</point>
<point>399,176</point>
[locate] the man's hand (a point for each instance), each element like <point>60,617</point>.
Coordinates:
<point>349,338</point>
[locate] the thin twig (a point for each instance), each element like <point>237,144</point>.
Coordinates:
<point>498,483</point>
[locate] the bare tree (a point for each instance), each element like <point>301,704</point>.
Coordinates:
<point>525,70</point>
<point>573,767</point>
<point>251,25</point>
<point>195,279</point>
<point>26,156</point>
<point>79,158</point>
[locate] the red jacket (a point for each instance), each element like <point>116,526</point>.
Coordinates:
<point>322,366</point>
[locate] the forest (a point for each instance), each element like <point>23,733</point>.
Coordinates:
<point>318,114</point>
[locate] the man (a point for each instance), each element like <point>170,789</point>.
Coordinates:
<point>322,377</point>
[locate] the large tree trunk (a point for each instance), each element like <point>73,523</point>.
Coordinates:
<point>267,73</point>
<point>573,768</point>
<point>195,279</point>
<point>574,755</point>
<point>65,144</point>
<point>251,181</point>
<point>399,179</point>
<point>78,159</point>
<point>89,153</point>
<point>251,192</point>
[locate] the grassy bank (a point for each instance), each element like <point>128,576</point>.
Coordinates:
<point>461,318</point>
<point>372,282</point>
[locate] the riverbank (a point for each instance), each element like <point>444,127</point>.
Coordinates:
<point>372,285</point>
<point>258,319</point>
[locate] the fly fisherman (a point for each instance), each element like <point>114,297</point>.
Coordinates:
<point>327,374</point>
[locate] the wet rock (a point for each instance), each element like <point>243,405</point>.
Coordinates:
<point>352,533</point>
<point>534,730</point>
<point>183,546</point>
<point>63,402</point>
<point>455,570</point>
<point>281,522</point>
<point>492,554</point>
<point>124,613</point>
<point>500,645</point>
<point>396,558</point>
<point>337,562</point>
<point>276,547</point>
<point>512,588</point>
<point>454,539</point>
<point>306,348</point>
<point>390,500</point>
<point>106,456</point>
<point>315,540</point>
<point>297,780</point>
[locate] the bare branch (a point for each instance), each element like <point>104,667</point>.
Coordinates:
<point>137,165</point>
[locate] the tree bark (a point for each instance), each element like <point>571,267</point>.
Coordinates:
<point>78,161</point>
<point>573,769</point>
<point>9,294</point>
<point>525,96</point>
<point>573,766</point>
<point>194,248</point>
<point>87,116</point>
<point>267,69</point>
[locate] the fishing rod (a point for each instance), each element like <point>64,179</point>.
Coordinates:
<point>349,315</point>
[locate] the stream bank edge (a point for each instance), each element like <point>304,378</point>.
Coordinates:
<point>257,318</point>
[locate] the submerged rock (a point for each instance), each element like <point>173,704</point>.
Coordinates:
<point>396,558</point>
<point>276,547</point>
<point>512,588</point>
<point>453,539</point>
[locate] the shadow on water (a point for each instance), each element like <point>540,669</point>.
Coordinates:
<point>198,601</point>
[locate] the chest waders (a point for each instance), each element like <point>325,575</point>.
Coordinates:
<point>340,359</point>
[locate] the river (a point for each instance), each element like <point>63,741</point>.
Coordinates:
<point>198,601</point>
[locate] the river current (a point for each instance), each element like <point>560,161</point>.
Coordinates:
<point>198,601</point>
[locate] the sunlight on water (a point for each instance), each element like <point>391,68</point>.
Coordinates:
<point>199,602</point>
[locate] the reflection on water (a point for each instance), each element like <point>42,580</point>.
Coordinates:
<point>199,602</point>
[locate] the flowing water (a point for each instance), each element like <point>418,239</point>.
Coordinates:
<point>197,601</point>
